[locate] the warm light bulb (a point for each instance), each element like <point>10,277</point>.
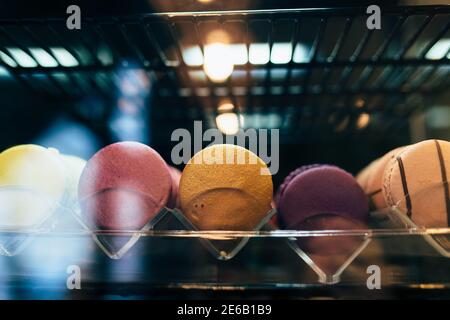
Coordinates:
<point>226,107</point>
<point>363,120</point>
<point>218,63</point>
<point>228,123</point>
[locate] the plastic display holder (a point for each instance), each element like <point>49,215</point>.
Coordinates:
<point>437,236</point>
<point>23,214</point>
<point>439,242</point>
<point>329,277</point>
<point>116,243</point>
<point>219,244</point>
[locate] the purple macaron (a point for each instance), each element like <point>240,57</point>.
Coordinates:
<point>320,190</point>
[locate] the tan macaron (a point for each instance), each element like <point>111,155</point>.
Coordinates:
<point>416,181</point>
<point>375,179</point>
<point>364,174</point>
<point>371,179</point>
<point>225,187</point>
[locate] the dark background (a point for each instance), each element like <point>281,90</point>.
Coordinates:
<point>25,115</point>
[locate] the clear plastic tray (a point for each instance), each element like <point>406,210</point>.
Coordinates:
<point>170,253</point>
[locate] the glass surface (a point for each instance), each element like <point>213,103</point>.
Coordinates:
<point>172,255</point>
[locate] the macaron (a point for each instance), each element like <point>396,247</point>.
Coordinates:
<point>124,186</point>
<point>32,185</point>
<point>74,167</point>
<point>416,181</point>
<point>374,179</point>
<point>320,189</point>
<point>225,187</point>
<point>322,197</point>
<point>364,174</point>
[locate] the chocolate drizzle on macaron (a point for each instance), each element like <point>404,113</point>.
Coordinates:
<point>444,180</point>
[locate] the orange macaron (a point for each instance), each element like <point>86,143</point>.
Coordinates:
<point>225,187</point>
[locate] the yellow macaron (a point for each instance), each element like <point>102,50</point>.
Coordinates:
<point>32,182</point>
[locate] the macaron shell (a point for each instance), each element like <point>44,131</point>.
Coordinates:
<point>413,181</point>
<point>119,209</point>
<point>120,170</point>
<point>33,184</point>
<point>291,176</point>
<point>374,182</point>
<point>128,165</point>
<point>23,209</point>
<point>323,189</point>
<point>238,210</point>
<point>363,175</point>
<point>243,173</point>
<point>33,167</point>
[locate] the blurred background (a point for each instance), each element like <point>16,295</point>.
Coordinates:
<point>337,91</point>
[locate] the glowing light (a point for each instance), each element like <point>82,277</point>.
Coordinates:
<point>363,120</point>
<point>23,59</point>
<point>281,53</point>
<point>6,59</point>
<point>238,52</point>
<point>439,50</point>
<point>64,57</point>
<point>226,107</point>
<point>193,56</point>
<point>300,54</point>
<point>259,53</point>
<point>43,58</point>
<point>228,123</point>
<point>218,64</point>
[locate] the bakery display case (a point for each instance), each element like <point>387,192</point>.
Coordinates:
<point>101,197</point>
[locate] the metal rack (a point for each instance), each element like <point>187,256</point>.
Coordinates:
<point>347,69</point>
